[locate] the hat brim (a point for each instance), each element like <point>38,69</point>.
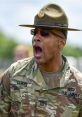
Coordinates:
<point>57,27</point>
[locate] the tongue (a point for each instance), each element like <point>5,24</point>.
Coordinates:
<point>38,52</point>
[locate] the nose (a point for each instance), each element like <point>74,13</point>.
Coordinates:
<point>37,37</point>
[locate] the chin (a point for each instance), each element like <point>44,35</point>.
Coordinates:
<point>39,61</point>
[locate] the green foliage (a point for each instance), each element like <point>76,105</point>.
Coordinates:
<point>72,51</point>
<point>6,46</point>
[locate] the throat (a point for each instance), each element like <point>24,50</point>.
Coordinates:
<point>52,67</point>
<point>52,79</point>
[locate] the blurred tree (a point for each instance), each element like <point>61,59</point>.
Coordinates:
<point>70,50</point>
<point>6,46</point>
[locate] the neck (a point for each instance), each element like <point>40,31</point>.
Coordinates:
<point>52,66</point>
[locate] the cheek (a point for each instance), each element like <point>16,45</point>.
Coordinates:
<point>51,46</point>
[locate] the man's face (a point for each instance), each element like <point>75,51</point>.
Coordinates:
<point>45,44</point>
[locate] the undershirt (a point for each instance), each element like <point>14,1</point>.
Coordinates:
<point>52,79</point>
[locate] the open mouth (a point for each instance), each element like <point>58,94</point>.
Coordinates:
<point>37,51</point>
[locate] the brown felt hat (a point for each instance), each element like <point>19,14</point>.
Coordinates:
<point>51,16</point>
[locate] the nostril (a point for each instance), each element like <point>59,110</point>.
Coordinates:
<point>36,38</point>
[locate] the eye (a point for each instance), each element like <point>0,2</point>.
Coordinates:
<point>44,32</point>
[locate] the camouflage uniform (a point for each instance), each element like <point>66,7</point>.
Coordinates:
<point>24,93</point>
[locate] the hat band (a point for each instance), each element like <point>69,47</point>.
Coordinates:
<point>51,24</point>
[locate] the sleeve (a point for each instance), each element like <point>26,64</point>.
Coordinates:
<point>5,87</point>
<point>5,94</point>
<point>77,76</point>
<point>80,105</point>
<point>80,113</point>
<point>79,82</point>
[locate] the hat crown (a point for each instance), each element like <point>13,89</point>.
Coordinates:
<point>51,15</point>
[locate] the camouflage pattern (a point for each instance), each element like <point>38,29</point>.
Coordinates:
<point>24,93</point>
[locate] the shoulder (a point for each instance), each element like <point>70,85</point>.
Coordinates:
<point>18,66</point>
<point>77,75</point>
<point>20,63</point>
<point>76,72</point>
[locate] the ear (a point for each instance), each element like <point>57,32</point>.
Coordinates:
<point>62,43</point>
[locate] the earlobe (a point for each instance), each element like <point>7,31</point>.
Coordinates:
<point>62,43</point>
